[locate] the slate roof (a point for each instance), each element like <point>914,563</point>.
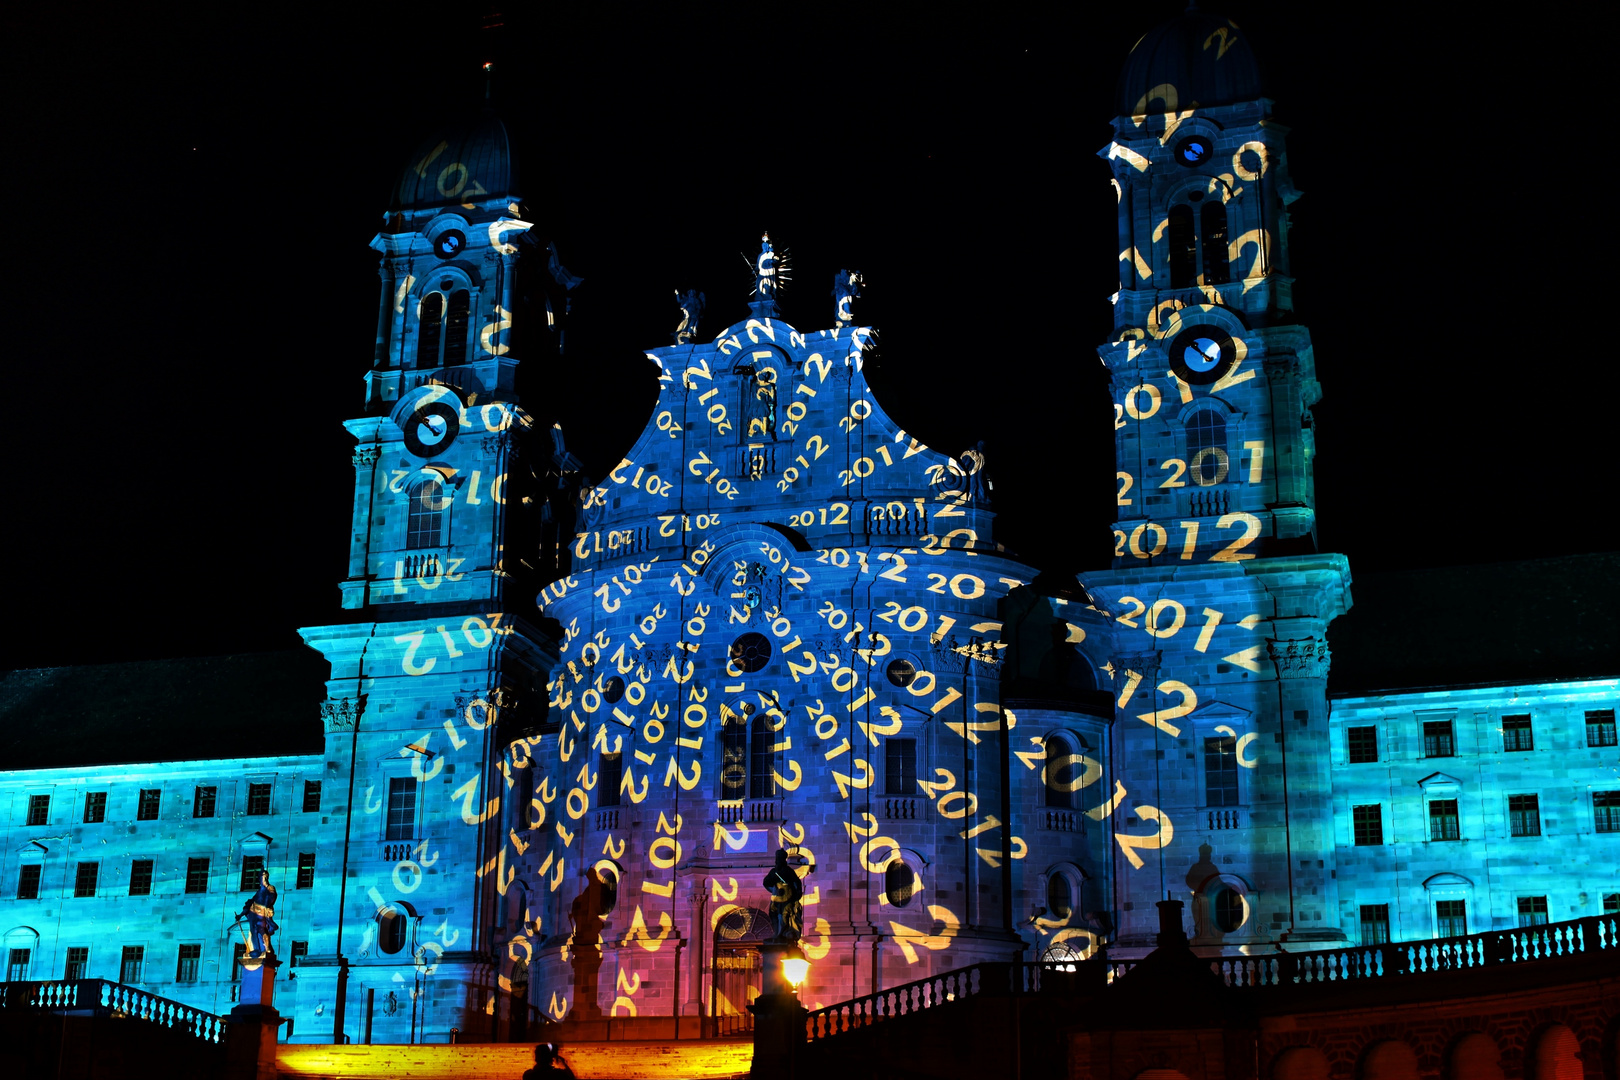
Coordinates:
<point>1535,621</point>
<point>1204,56</point>
<point>475,164</point>
<point>251,705</point>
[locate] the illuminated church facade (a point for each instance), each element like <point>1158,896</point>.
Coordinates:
<point>567,724</point>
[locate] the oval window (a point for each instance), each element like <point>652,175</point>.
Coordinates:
<point>901,672</point>
<point>899,883</point>
<point>391,930</point>
<point>613,690</point>
<point>1230,910</point>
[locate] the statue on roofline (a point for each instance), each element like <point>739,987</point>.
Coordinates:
<point>691,304</point>
<point>846,290</point>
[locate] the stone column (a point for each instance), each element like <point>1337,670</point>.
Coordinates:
<point>252,1026</point>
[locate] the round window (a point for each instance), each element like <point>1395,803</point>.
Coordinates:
<point>901,672</point>
<point>390,930</point>
<point>750,652</point>
<point>1230,910</point>
<point>899,882</point>
<point>613,690</point>
<point>1194,150</point>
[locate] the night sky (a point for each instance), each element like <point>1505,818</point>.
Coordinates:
<point>193,302</point>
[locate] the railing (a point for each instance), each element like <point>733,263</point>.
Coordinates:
<point>397,851</point>
<point>900,809</point>
<point>118,998</point>
<point>752,811</point>
<point>1224,819</point>
<point>1057,820</point>
<point>607,819</point>
<point>904,1000</point>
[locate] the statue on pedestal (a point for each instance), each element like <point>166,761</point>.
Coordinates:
<point>259,912</point>
<point>787,914</point>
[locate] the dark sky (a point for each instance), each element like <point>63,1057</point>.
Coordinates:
<point>192,300</point>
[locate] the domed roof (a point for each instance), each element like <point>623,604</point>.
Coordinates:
<point>1203,56</point>
<point>468,162</point>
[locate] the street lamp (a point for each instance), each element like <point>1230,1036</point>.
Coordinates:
<point>795,967</point>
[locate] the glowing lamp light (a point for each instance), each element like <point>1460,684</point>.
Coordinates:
<point>795,967</point>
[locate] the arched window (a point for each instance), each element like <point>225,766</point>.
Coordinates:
<point>733,755</point>
<point>1207,461</point>
<point>762,758</point>
<point>1558,1055</point>
<point>430,330</point>
<point>424,522</point>
<point>899,882</point>
<point>390,929</point>
<point>455,329</point>
<point>1217,271</point>
<point>610,771</point>
<point>1229,910</point>
<point>1059,896</point>
<point>1062,770</point>
<point>1183,247</point>
<point>759,386</point>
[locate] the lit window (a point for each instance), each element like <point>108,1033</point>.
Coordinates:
<point>610,772</point>
<point>140,877</point>
<point>84,880</point>
<point>900,767</point>
<point>39,809</point>
<point>1438,740</point>
<point>1524,815</point>
<point>1220,771</point>
<point>28,882</point>
<point>95,807</point>
<point>1369,825</point>
<point>1600,729</point>
<point>78,962</point>
<point>251,866</point>
<point>1516,734</point>
<point>258,799</point>
<point>17,965</point>
<point>312,796</point>
<point>151,802</point>
<point>401,808</point>
<point>1451,917</point>
<point>1363,745</point>
<point>1532,911</point>
<point>1374,924</point>
<point>1606,811</point>
<point>306,870</point>
<point>190,959</point>
<point>424,519</point>
<point>129,970</point>
<point>202,802</point>
<point>1443,824</point>
<point>197,875</point>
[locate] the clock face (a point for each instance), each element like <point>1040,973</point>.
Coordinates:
<point>450,243</point>
<point>431,429</point>
<point>1194,150</point>
<point>1202,354</point>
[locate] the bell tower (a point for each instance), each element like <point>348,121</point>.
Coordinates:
<point>435,673</point>
<point>1221,597</point>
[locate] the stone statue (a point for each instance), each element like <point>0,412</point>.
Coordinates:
<point>770,271</point>
<point>691,303</point>
<point>787,914</point>
<point>846,290</point>
<point>972,466</point>
<point>259,912</point>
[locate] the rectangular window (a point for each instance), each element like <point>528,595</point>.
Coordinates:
<point>1443,823</point>
<point>258,799</point>
<point>84,881</point>
<point>610,770</point>
<point>306,870</point>
<point>401,808</point>
<point>300,949</point>
<point>129,970</point>
<point>1606,810</point>
<point>202,802</point>
<point>1220,771</point>
<point>1363,745</point>
<point>1524,815</point>
<point>151,799</point>
<point>140,877</point>
<point>237,952</point>
<point>196,875</point>
<point>312,796</point>
<point>1600,727</point>
<point>95,807</point>
<point>1532,911</point>
<point>424,516</point>
<point>1451,917</point>
<point>1516,734</point>
<point>1374,924</point>
<point>78,962</point>
<point>900,767</point>
<point>17,965</point>
<point>39,809</point>
<point>1438,740</point>
<point>1369,824</point>
<point>251,866</point>
<point>28,881</point>
<point>1611,903</point>
<point>190,960</point>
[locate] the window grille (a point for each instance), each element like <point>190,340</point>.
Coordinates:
<point>424,518</point>
<point>900,767</point>
<point>251,866</point>
<point>312,796</point>
<point>190,959</point>
<point>78,962</point>
<point>1369,825</point>
<point>258,799</point>
<point>1363,745</point>
<point>1220,771</point>
<point>202,802</point>
<point>129,970</point>
<point>84,880</point>
<point>401,808</point>
<point>1600,730</point>
<point>17,965</point>
<point>306,870</point>
<point>151,802</point>
<point>733,755</point>
<point>1374,924</point>
<point>1451,917</point>
<point>1524,815</point>
<point>763,763</point>
<point>1611,903</point>
<point>197,875</point>
<point>95,807</point>
<point>28,881</point>
<point>1516,733</point>
<point>1532,911</point>
<point>39,809</point>
<point>140,877</point>
<point>1443,824</point>
<point>1438,740</point>
<point>1606,810</point>
<point>1207,460</point>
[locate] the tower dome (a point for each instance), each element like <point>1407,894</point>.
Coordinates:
<point>1204,57</point>
<point>465,162</point>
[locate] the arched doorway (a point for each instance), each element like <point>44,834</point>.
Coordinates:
<point>1300,1063</point>
<point>1558,1055</point>
<point>1475,1057</point>
<point>1389,1060</point>
<point>736,975</point>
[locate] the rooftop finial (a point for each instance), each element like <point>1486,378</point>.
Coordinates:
<point>770,272</point>
<point>489,79</point>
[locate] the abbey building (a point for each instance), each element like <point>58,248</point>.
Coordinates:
<point>566,725</point>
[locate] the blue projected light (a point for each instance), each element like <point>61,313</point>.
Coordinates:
<point>1194,150</point>
<point>1202,354</point>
